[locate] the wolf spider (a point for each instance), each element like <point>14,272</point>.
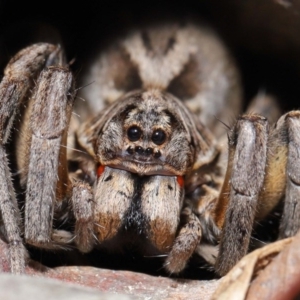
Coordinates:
<point>147,166</point>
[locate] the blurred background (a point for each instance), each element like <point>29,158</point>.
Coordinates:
<point>262,35</point>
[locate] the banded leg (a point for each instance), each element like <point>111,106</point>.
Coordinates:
<point>47,177</point>
<point>15,86</point>
<point>237,205</point>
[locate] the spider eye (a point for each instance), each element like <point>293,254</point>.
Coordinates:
<point>158,137</point>
<point>134,133</point>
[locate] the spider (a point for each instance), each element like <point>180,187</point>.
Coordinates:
<point>148,162</point>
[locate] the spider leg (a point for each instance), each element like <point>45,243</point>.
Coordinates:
<point>283,173</point>
<point>187,240</point>
<point>290,222</point>
<point>11,217</point>
<point>14,88</point>
<point>83,209</point>
<point>236,209</point>
<point>46,170</point>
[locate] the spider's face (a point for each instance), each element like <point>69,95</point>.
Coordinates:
<point>146,135</point>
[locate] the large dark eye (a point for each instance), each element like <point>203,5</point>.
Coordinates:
<point>134,133</point>
<point>158,137</point>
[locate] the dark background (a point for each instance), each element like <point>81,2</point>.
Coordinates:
<point>263,35</point>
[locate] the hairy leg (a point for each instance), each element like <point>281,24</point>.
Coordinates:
<point>237,205</point>
<point>187,240</point>
<point>15,86</point>
<point>47,179</point>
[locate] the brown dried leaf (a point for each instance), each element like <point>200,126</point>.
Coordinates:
<point>236,283</point>
<point>280,279</point>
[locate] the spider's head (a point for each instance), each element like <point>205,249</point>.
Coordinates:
<point>146,133</point>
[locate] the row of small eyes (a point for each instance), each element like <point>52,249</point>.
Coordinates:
<point>158,136</point>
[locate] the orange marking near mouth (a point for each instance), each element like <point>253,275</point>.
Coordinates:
<point>180,181</point>
<point>100,170</point>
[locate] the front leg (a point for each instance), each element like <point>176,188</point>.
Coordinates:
<point>15,86</point>
<point>238,200</point>
<point>46,168</point>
